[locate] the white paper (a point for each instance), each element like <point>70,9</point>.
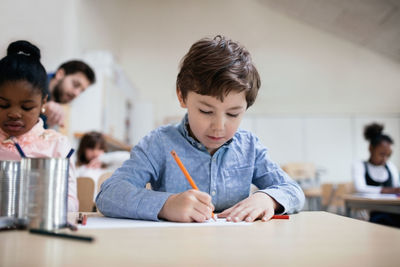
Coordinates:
<point>106,222</point>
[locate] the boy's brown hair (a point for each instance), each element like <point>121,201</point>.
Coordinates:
<point>217,66</point>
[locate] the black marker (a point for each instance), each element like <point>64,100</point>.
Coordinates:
<point>77,237</point>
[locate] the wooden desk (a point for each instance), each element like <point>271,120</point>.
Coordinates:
<point>362,201</point>
<point>306,239</point>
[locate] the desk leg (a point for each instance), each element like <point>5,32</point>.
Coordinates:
<point>348,209</point>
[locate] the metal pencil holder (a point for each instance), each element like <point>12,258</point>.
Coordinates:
<point>44,204</point>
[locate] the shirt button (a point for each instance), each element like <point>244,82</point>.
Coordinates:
<point>199,146</point>
<point>213,193</point>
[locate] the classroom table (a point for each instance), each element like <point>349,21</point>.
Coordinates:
<point>307,239</point>
<point>374,202</point>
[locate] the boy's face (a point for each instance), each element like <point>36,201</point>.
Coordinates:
<point>211,121</point>
<point>20,106</point>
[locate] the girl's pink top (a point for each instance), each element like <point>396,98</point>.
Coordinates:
<point>42,143</point>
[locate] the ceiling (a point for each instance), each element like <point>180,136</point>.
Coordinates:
<point>374,24</point>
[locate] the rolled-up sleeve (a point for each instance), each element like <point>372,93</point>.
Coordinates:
<point>272,180</point>
<point>124,194</point>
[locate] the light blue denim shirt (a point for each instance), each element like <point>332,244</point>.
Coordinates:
<point>226,175</point>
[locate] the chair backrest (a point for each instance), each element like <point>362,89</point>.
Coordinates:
<point>327,192</point>
<point>300,170</point>
<point>304,173</point>
<point>85,193</point>
<point>102,178</point>
<point>341,190</point>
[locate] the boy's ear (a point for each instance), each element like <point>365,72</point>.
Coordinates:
<point>60,73</point>
<point>180,98</point>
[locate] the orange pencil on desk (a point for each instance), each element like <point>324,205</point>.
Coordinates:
<point>186,173</point>
<point>280,217</point>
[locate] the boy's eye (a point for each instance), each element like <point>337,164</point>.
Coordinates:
<point>27,108</point>
<point>232,115</point>
<point>205,112</point>
<point>4,106</point>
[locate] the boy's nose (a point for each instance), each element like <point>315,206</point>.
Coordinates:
<point>218,123</point>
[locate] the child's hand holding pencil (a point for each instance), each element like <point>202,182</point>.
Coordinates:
<point>196,206</point>
<point>189,206</point>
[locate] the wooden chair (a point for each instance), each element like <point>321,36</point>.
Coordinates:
<point>102,178</point>
<point>85,193</point>
<point>338,200</point>
<point>305,174</point>
<point>332,196</point>
<point>327,192</point>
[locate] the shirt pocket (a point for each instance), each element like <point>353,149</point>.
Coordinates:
<point>237,182</point>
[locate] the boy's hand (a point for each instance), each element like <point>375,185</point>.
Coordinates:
<point>257,206</point>
<point>188,206</point>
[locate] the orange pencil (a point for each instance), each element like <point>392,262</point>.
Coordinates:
<point>280,217</point>
<point>186,173</point>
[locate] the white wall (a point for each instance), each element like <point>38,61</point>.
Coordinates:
<point>307,75</point>
<point>303,70</point>
<point>49,24</point>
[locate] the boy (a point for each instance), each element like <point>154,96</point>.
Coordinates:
<point>217,82</point>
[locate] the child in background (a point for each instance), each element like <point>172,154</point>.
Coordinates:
<point>378,174</point>
<point>23,83</point>
<point>217,82</point>
<point>91,146</point>
<point>93,160</point>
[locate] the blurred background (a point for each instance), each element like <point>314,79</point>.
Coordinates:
<point>328,68</point>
